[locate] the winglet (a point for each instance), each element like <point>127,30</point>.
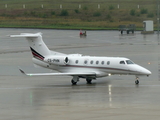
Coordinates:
<point>22,71</point>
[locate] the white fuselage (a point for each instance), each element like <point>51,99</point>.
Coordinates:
<point>102,66</point>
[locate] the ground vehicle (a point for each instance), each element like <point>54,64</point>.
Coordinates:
<point>127,28</point>
<point>83,34</point>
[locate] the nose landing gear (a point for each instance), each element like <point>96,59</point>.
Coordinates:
<point>137,81</point>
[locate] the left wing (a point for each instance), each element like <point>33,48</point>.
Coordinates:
<point>59,74</point>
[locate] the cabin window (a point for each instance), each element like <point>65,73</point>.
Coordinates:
<point>91,62</point>
<point>97,62</point>
<point>102,62</point>
<point>129,62</point>
<point>108,62</point>
<point>122,62</point>
<point>85,62</point>
<point>76,62</point>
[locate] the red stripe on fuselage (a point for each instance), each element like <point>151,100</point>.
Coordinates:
<point>36,55</point>
<point>98,68</point>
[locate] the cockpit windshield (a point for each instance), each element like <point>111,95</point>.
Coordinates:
<point>129,62</point>
<point>122,62</point>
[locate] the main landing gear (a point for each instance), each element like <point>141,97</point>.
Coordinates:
<point>137,81</point>
<point>89,80</point>
<point>76,79</point>
<point>73,82</point>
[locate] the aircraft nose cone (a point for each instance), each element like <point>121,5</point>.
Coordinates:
<point>146,72</point>
<point>149,72</point>
<point>143,71</point>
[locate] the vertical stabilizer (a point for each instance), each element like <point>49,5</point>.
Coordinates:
<point>38,47</point>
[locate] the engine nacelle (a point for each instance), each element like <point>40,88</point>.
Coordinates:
<point>57,60</point>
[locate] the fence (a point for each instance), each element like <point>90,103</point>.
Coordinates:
<point>80,6</point>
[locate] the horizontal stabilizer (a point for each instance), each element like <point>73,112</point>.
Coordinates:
<point>27,35</point>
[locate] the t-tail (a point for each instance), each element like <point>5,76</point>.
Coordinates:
<point>38,47</point>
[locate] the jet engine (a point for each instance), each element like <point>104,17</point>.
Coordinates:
<point>57,60</point>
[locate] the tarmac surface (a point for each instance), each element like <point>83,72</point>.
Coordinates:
<point>54,98</point>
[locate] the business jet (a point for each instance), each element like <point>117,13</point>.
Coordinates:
<point>77,65</point>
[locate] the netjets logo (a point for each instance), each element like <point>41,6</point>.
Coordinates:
<point>36,54</point>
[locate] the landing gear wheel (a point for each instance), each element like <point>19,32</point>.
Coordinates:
<point>137,82</point>
<point>89,81</point>
<point>73,82</point>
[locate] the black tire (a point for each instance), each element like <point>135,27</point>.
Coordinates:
<point>73,82</point>
<point>89,81</point>
<point>137,82</point>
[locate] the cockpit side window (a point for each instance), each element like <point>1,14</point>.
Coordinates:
<point>129,62</point>
<point>122,62</point>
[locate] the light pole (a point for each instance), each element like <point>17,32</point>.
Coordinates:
<point>158,16</point>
